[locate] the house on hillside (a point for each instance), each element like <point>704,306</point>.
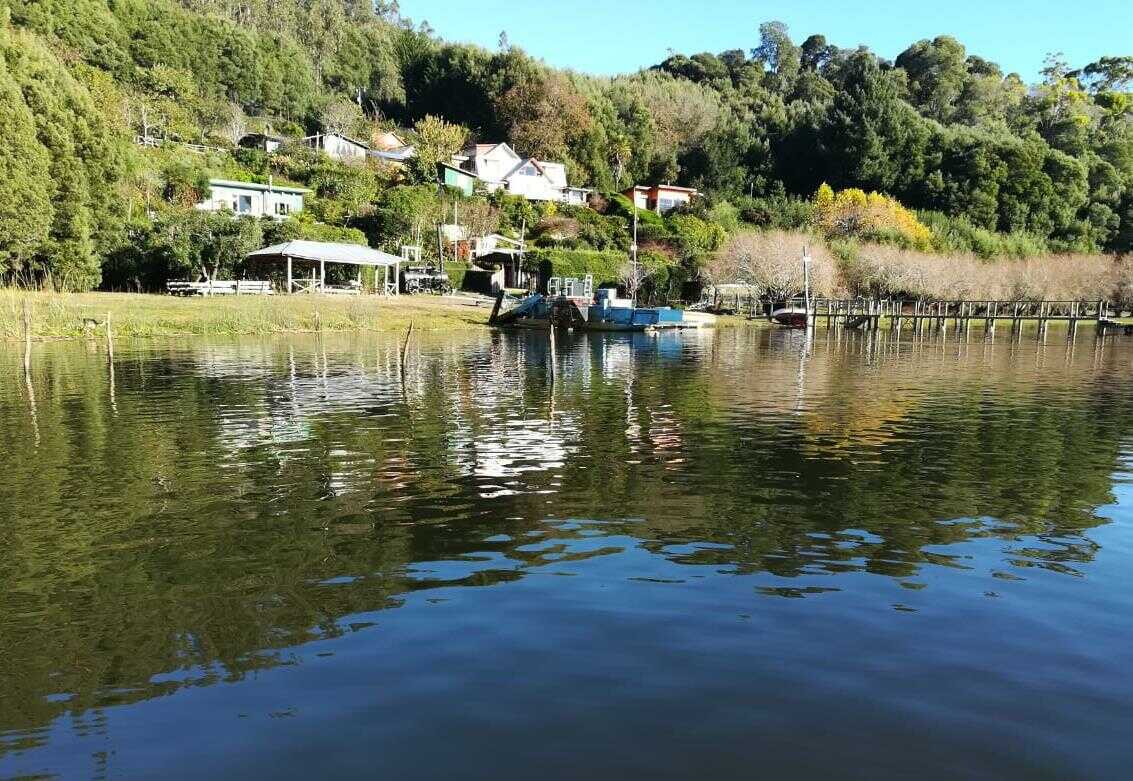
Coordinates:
<point>392,149</point>
<point>388,141</point>
<point>338,147</point>
<point>387,147</point>
<point>498,166</point>
<point>253,200</point>
<point>660,198</point>
<point>457,178</point>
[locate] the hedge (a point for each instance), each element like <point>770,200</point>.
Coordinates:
<point>456,273</point>
<point>547,263</point>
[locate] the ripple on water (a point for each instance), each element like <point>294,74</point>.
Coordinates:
<point>713,548</point>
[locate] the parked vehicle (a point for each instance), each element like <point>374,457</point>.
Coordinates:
<point>425,279</point>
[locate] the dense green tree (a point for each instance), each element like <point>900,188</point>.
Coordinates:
<point>937,72</point>
<point>870,137</point>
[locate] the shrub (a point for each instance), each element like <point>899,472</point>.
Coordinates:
<point>695,236</point>
<point>855,214</point>
<point>547,263</point>
<point>622,207</point>
<point>958,234</point>
<point>777,212</point>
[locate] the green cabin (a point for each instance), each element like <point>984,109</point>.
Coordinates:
<point>451,176</point>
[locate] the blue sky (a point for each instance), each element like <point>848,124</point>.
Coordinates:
<point>617,36</point>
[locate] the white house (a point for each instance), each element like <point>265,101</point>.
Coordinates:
<point>253,200</point>
<point>388,147</point>
<point>338,146</point>
<point>499,167</point>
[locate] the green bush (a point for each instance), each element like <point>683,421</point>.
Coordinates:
<point>547,263</point>
<point>958,234</point>
<point>456,272</point>
<point>620,206</point>
<point>695,236</point>
<point>777,212</point>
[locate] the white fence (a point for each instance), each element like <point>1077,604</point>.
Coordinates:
<point>243,287</point>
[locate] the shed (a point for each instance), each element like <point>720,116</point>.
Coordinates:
<point>265,142</point>
<point>322,253</point>
<point>451,176</point>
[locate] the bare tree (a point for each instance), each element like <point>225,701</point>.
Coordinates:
<point>633,276</point>
<point>771,263</point>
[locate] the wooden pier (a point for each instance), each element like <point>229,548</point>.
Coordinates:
<point>940,316</point>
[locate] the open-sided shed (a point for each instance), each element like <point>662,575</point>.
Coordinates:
<point>322,253</point>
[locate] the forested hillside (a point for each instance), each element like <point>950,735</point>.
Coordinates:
<point>976,152</point>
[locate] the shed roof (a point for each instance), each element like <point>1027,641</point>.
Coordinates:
<point>278,188</point>
<point>350,254</point>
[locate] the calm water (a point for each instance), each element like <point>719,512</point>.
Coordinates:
<point>717,555</point>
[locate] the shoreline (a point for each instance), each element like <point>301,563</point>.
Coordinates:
<point>74,316</point>
<point>70,316</point>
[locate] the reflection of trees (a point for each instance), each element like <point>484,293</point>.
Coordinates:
<point>191,534</point>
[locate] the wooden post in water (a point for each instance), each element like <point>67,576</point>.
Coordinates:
<point>496,308</point>
<point>27,371</point>
<point>109,339</point>
<point>27,336</point>
<point>553,355</point>
<point>405,351</point>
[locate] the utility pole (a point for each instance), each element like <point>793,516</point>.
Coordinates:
<point>522,248</point>
<point>633,257</point>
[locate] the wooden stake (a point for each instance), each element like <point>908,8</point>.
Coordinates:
<point>109,339</point>
<point>27,336</point>
<point>553,357</point>
<point>405,351</point>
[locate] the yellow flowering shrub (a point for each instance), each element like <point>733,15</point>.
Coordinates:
<point>853,213</point>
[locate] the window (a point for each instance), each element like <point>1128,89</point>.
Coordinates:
<point>529,170</point>
<point>666,204</point>
<point>244,204</point>
<point>282,208</point>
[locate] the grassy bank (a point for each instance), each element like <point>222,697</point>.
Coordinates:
<point>62,315</point>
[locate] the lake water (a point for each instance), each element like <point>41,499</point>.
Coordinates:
<point>723,555</point>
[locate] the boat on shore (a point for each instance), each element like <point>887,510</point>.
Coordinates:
<point>790,316</point>
<point>606,312</point>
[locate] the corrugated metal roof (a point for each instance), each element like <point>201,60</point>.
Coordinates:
<point>259,187</point>
<point>350,254</point>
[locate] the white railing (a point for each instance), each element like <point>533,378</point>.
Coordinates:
<point>242,287</point>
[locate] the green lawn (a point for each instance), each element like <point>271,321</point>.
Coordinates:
<point>63,315</point>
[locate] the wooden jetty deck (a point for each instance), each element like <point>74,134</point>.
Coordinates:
<point>939,316</point>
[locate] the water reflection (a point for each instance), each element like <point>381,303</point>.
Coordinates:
<point>228,509</point>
